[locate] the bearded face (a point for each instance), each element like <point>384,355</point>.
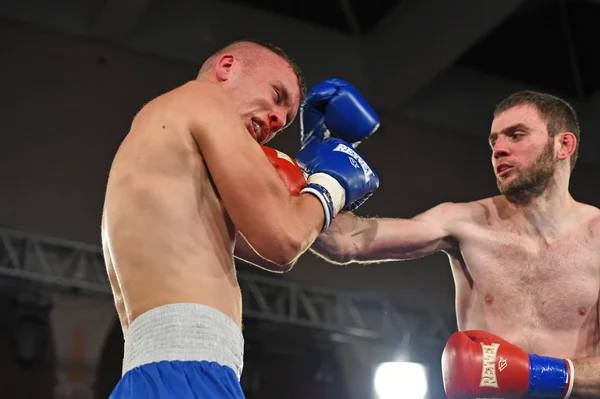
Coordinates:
<point>529,182</point>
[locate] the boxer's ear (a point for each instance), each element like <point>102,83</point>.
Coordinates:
<point>567,144</point>
<point>224,66</point>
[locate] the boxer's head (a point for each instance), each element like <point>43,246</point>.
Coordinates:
<point>263,82</point>
<point>534,138</point>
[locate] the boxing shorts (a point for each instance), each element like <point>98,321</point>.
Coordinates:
<point>182,351</point>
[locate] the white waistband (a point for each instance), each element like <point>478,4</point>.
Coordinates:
<point>184,331</point>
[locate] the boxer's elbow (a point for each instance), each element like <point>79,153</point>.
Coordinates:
<point>286,267</point>
<point>288,252</point>
<point>282,250</point>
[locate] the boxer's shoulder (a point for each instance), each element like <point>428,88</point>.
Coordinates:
<point>463,219</point>
<point>202,90</point>
<point>487,211</point>
<point>195,98</point>
<point>589,212</point>
<point>196,109</point>
<point>455,218</point>
<point>590,216</point>
<point>595,225</point>
<point>582,223</point>
<point>463,212</point>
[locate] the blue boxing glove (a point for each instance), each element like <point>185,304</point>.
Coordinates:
<point>335,108</point>
<point>337,175</point>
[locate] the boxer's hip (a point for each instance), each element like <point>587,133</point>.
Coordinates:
<point>182,350</point>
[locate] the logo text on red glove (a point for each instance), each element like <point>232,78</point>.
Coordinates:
<point>284,156</point>
<point>488,366</point>
<point>502,364</point>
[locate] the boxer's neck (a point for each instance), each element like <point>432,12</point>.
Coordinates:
<point>548,214</point>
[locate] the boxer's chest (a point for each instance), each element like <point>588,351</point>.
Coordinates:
<point>552,284</point>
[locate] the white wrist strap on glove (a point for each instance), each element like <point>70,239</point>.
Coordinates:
<point>571,378</point>
<point>331,194</point>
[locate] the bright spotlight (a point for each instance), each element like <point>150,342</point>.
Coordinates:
<point>400,380</point>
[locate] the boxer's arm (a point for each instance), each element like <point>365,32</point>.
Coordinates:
<point>587,370</point>
<point>354,239</point>
<point>587,378</point>
<point>245,252</point>
<point>278,226</point>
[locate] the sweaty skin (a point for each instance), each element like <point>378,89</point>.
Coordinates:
<point>168,234</point>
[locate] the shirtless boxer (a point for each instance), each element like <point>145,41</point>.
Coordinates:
<point>189,177</point>
<point>526,264</point>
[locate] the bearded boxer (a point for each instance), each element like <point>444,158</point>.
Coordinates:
<point>190,188</point>
<point>526,263</point>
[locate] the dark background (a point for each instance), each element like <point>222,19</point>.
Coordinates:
<point>74,72</point>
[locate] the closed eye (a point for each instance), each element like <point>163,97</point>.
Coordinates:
<point>278,95</point>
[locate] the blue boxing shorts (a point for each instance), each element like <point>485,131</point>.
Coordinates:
<point>182,351</point>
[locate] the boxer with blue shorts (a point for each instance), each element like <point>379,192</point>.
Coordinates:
<point>191,188</point>
<point>183,350</point>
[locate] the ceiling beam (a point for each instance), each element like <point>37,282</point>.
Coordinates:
<point>417,40</point>
<point>351,17</point>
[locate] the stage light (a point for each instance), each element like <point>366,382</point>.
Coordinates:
<point>404,380</point>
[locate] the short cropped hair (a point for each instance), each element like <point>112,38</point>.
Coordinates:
<point>271,47</point>
<point>277,50</point>
<point>558,114</point>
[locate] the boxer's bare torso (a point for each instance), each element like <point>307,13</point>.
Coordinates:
<point>166,235</point>
<point>540,293</point>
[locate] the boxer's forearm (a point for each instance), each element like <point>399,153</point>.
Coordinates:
<point>587,378</point>
<point>343,240</point>
<point>354,239</point>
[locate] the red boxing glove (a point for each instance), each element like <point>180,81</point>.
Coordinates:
<point>477,364</point>
<point>288,170</point>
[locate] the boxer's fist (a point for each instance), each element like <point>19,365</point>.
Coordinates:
<point>335,108</point>
<point>288,170</point>
<point>337,175</point>
<point>477,364</point>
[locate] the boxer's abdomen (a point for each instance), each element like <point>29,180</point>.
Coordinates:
<point>168,236</point>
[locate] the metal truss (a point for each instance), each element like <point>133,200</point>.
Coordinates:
<point>341,313</point>
<point>47,260</point>
<point>61,264</point>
